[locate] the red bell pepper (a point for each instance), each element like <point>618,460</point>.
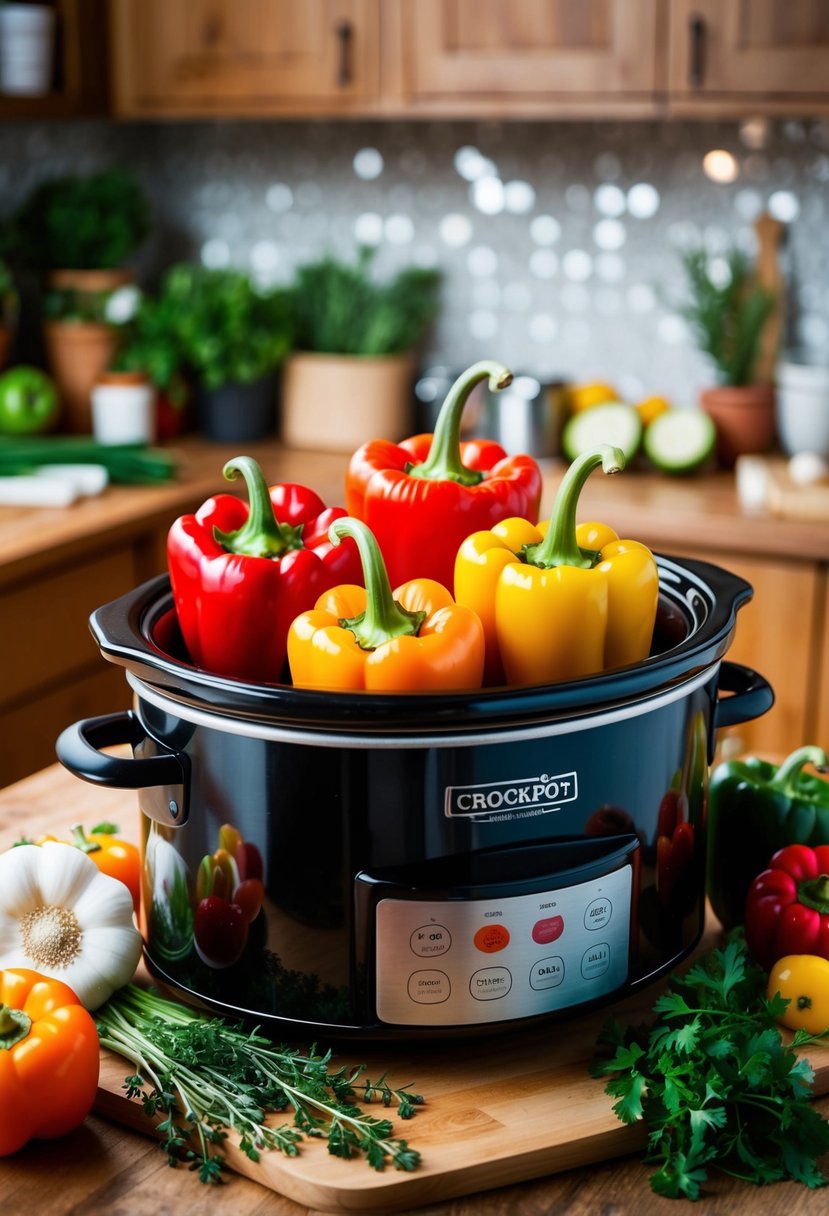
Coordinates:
<point>421,498</point>
<point>240,574</point>
<point>787,908</point>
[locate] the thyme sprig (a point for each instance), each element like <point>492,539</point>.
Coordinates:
<point>207,1075</point>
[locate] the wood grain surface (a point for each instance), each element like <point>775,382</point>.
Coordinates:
<point>511,1124</point>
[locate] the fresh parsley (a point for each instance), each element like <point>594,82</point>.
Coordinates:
<point>206,1075</point>
<point>715,1082</point>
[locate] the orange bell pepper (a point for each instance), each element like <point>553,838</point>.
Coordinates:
<point>557,601</point>
<point>49,1059</point>
<point>414,640</point>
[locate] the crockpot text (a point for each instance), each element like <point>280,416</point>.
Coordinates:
<point>512,799</point>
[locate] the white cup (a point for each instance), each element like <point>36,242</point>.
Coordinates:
<point>802,406</point>
<point>27,39</point>
<point>123,412</point>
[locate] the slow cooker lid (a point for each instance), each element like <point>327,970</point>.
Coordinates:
<point>698,603</point>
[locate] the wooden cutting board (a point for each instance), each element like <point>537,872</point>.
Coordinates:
<point>498,1111</point>
<point>793,501</point>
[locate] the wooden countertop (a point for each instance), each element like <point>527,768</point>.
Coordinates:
<point>103,1167</point>
<point>672,514</point>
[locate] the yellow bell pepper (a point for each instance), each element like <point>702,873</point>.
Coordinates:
<point>803,981</point>
<point>557,601</point>
<point>416,639</point>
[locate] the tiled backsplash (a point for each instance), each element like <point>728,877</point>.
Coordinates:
<point>558,242</point>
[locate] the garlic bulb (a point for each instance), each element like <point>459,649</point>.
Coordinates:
<point>60,916</point>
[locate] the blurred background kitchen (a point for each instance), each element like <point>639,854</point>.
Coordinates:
<point>545,169</point>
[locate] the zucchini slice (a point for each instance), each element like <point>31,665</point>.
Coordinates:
<point>614,423</point>
<point>681,440</point>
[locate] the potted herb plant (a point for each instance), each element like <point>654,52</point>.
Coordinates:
<point>233,338</point>
<point>350,376</point>
<point>151,351</point>
<point>77,232</point>
<point>727,319</point>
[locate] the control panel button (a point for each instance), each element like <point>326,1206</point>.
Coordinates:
<point>430,940</point>
<point>547,973</point>
<point>429,987</point>
<point>597,914</point>
<point>490,984</point>
<point>548,930</point>
<point>595,961</point>
<point>491,938</point>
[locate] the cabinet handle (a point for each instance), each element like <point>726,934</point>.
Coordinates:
<point>345,34</point>
<point>696,63</point>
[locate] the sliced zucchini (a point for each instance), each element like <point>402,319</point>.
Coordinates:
<point>681,440</point>
<point>614,423</point>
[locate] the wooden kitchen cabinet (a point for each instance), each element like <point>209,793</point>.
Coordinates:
<point>769,56</point>
<point>779,635</point>
<point>466,58</point>
<point>245,56</point>
<point>533,53</point>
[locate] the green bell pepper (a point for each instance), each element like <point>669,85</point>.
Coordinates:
<point>754,809</point>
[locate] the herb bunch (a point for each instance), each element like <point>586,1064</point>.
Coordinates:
<point>714,1081</point>
<point>727,319</point>
<point>341,309</point>
<point>206,1075</point>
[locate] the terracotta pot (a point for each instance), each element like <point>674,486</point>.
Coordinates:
<point>335,403</point>
<point>78,352</point>
<point>744,418</point>
<point>6,335</point>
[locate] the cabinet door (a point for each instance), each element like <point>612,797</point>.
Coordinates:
<point>777,635</point>
<point>769,52</point>
<point>534,51</point>
<point>820,732</point>
<point>244,56</point>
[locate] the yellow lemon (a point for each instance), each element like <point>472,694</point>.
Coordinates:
<point>651,407</point>
<point>585,396</point>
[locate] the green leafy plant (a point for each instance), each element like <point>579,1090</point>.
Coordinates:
<point>714,1081</point>
<point>206,1075</point>
<point>91,222</point>
<point>726,318</point>
<point>151,343</point>
<point>339,308</point>
<point>229,332</point>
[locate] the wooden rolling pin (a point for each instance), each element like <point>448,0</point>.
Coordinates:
<point>769,232</point>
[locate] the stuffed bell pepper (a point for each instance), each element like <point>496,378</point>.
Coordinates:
<point>755,809</point>
<point>421,497</point>
<point>414,640</point>
<point>241,572</point>
<point>557,601</point>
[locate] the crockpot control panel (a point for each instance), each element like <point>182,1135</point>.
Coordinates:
<point>461,962</point>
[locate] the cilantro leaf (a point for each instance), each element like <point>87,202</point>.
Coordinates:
<point>714,1081</point>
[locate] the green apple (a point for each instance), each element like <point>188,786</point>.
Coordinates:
<point>29,401</point>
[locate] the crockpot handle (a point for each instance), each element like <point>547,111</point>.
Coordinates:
<point>162,777</point>
<point>751,695</point>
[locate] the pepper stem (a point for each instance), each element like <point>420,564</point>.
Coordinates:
<point>383,618</point>
<point>559,546</point>
<point>261,535</point>
<point>788,772</point>
<point>444,460</point>
<point>81,841</point>
<point>14,1026</point>
<point>814,893</point>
